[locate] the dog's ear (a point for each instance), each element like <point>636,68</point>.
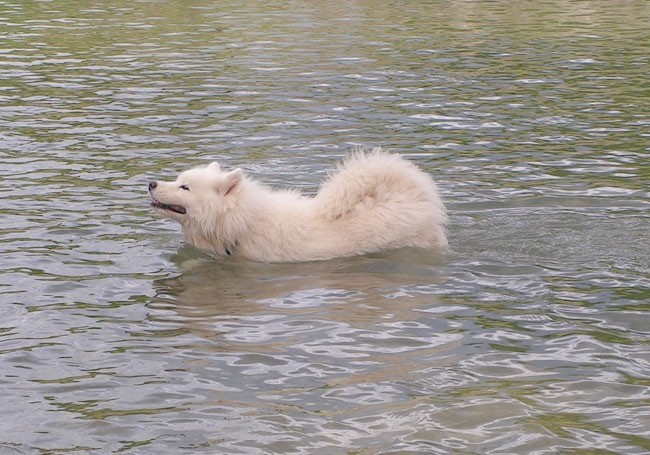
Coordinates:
<point>214,166</point>
<point>232,181</point>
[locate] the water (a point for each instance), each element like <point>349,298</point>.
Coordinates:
<point>530,336</point>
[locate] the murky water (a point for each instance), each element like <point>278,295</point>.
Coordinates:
<point>530,336</point>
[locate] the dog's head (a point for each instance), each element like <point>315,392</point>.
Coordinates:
<point>200,195</point>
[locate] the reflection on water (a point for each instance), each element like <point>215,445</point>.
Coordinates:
<point>530,336</point>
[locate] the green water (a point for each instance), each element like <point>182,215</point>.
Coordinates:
<point>529,337</point>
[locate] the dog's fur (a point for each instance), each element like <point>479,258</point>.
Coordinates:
<point>374,201</point>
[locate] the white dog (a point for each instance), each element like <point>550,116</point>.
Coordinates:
<point>375,201</point>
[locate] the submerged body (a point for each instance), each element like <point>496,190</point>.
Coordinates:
<point>374,201</point>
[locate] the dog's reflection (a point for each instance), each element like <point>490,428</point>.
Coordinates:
<point>207,288</point>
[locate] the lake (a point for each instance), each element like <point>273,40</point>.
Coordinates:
<point>531,335</point>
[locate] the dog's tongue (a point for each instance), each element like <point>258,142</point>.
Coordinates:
<point>174,208</point>
<point>177,208</point>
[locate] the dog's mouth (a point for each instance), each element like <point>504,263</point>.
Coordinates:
<point>171,207</point>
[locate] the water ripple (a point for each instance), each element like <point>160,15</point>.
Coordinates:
<point>529,336</point>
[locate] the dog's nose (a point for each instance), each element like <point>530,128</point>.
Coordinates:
<point>152,185</point>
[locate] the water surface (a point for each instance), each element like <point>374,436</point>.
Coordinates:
<point>529,336</point>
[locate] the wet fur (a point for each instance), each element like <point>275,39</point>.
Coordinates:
<point>374,201</point>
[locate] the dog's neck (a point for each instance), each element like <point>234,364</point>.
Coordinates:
<point>209,243</point>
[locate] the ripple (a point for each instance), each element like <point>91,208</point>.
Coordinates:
<point>530,336</point>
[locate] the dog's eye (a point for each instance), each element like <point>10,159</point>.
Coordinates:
<point>184,187</point>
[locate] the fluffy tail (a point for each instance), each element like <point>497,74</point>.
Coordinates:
<point>367,179</point>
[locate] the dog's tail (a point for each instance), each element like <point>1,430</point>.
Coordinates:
<point>368,178</point>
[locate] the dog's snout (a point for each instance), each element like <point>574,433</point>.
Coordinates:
<point>152,185</point>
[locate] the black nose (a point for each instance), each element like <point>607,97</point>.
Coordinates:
<point>152,185</point>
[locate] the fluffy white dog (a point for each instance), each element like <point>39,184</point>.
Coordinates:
<point>374,201</point>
